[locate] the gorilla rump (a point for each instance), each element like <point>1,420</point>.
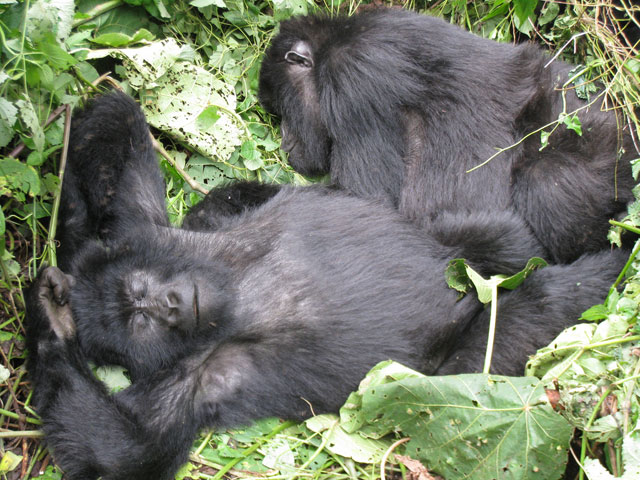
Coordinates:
<point>400,104</point>
<point>273,309</point>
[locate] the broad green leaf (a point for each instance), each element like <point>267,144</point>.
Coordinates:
<point>175,93</point>
<point>464,426</point>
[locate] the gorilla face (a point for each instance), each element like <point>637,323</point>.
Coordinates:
<point>144,315</point>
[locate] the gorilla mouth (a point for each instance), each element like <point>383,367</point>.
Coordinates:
<point>196,306</point>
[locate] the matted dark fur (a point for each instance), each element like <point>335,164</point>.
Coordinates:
<point>279,309</point>
<point>399,104</point>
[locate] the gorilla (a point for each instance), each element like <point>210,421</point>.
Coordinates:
<point>398,104</point>
<point>278,306</point>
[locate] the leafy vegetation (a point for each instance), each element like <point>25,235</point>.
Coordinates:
<point>175,57</point>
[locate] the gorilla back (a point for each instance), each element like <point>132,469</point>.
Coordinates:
<point>400,104</point>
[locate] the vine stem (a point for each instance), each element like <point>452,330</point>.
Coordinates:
<point>192,183</point>
<point>56,203</point>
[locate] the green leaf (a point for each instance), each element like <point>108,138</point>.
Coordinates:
<point>119,39</point>
<point>349,445</point>
<point>456,275</point>
<point>516,279</point>
<point>464,426</point>
<point>175,93</point>
<point>124,19</point>
<point>461,276</point>
<point>8,117</point>
<point>572,122</point>
<point>19,176</point>
<point>185,472</point>
<point>57,57</point>
<point>251,155</point>
<point>207,3</point>
<point>9,462</point>
<point>524,10</point>
<point>50,17</point>
<point>207,118</point>
<point>50,474</point>
<point>114,377</point>
<point>595,313</point>
<point>633,65</point>
<point>631,462</point>
<point>549,13</point>
<point>31,121</point>
<point>544,139</point>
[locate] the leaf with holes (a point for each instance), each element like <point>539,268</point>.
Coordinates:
<point>464,426</point>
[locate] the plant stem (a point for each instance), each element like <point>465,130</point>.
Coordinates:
<point>97,11</point>
<point>56,203</point>
<point>492,329</point>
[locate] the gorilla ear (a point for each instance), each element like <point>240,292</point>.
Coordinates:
<point>300,54</point>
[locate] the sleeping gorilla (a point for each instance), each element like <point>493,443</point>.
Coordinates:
<point>273,309</point>
<point>399,104</point>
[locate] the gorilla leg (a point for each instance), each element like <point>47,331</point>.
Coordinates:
<point>112,182</point>
<point>533,314</point>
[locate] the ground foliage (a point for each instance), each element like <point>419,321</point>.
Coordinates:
<point>199,60</point>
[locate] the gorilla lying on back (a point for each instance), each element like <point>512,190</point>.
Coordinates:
<point>400,104</point>
<point>283,306</point>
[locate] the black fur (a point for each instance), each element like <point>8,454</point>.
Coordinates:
<point>222,203</point>
<point>399,104</point>
<point>283,306</point>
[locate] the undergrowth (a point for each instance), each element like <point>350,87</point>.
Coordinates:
<point>56,53</point>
